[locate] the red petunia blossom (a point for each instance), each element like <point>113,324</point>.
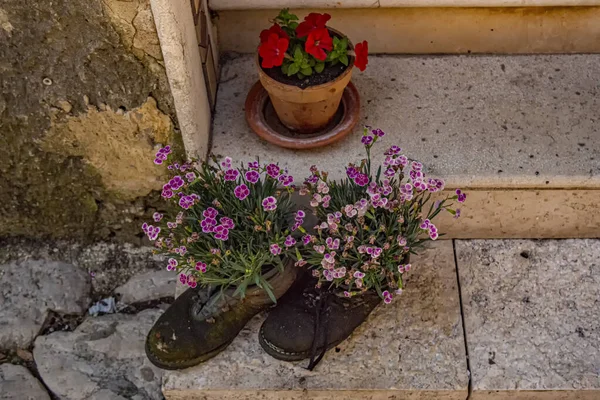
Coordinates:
<point>276,29</point>
<point>311,22</point>
<point>361,59</point>
<point>273,51</point>
<point>317,42</point>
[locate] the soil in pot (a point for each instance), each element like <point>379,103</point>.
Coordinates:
<point>329,74</point>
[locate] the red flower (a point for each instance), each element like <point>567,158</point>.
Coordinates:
<point>317,42</point>
<point>361,60</point>
<point>276,29</point>
<point>273,51</point>
<point>311,22</point>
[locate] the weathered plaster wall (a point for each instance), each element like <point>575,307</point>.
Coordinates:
<point>84,102</point>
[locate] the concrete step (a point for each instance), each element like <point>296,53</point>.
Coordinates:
<point>532,318</point>
<point>333,4</point>
<point>530,311</point>
<point>413,348</point>
<point>443,27</point>
<point>519,133</point>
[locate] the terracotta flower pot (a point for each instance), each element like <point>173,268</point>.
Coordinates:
<point>306,110</point>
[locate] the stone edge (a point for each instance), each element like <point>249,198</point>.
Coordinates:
<point>271,4</point>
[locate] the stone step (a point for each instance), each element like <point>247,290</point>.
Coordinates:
<point>412,348</point>
<point>327,4</point>
<point>531,332</point>
<point>532,318</point>
<point>519,133</point>
<point>444,27</point>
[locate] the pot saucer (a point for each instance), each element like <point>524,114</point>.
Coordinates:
<point>263,120</point>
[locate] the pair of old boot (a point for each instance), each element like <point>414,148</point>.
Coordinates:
<point>304,324</point>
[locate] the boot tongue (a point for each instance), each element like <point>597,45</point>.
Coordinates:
<point>213,303</point>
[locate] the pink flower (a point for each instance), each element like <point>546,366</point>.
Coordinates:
<point>319,249</point>
<point>275,249</point>
<point>269,203</point>
<point>322,188</point>
<point>252,176</point>
<point>210,213</point>
<point>273,170</point>
<point>231,174</point>
<point>221,233</point>
<point>171,264</point>
<point>332,244</point>
<point>241,191</point>
<point>190,176</point>
<point>186,202</point>
<point>200,266</point>
<point>226,163</point>
<point>289,241</point>
<point>157,217</point>
<point>227,222</point>
<point>361,180</point>
<point>461,197</point>
<point>286,180</point>
<point>387,297</point>
<point>306,239</point>
<point>208,224</point>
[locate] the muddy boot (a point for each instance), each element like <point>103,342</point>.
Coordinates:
<point>307,321</point>
<point>202,322</point>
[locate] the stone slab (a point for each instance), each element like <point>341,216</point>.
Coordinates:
<point>152,285</point>
<point>412,349</point>
<point>102,359</point>
<point>17,383</point>
<point>270,4</point>
<point>532,318</point>
<point>519,132</point>
<point>435,30</point>
<point>30,289</point>
<point>466,118</point>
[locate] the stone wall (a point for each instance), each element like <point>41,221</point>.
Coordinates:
<point>84,103</point>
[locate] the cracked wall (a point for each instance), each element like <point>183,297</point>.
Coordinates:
<point>84,103</point>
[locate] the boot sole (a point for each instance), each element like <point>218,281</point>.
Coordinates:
<point>281,354</point>
<point>182,364</point>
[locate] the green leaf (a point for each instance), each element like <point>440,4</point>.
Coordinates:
<point>344,59</point>
<point>336,41</point>
<point>284,68</point>
<point>319,67</point>
<point>293,25</point>
<point>343,44</point>
<point>293,69</point>
<point>334,62</point>
<point>300,75</point>
<point>298,56</point>
<point>306,71</point>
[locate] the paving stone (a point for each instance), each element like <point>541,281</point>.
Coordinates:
<point>30,289</point>
<point>17,383</point>
<point>413,348</point>
<point>532,317</point>
<point>102,359</point>
<point>519,132</point>
<point>152,285</point>
<point>466,118</point>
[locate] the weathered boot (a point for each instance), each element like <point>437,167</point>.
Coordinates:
<point>202,322</point>
<point>307,321</point>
